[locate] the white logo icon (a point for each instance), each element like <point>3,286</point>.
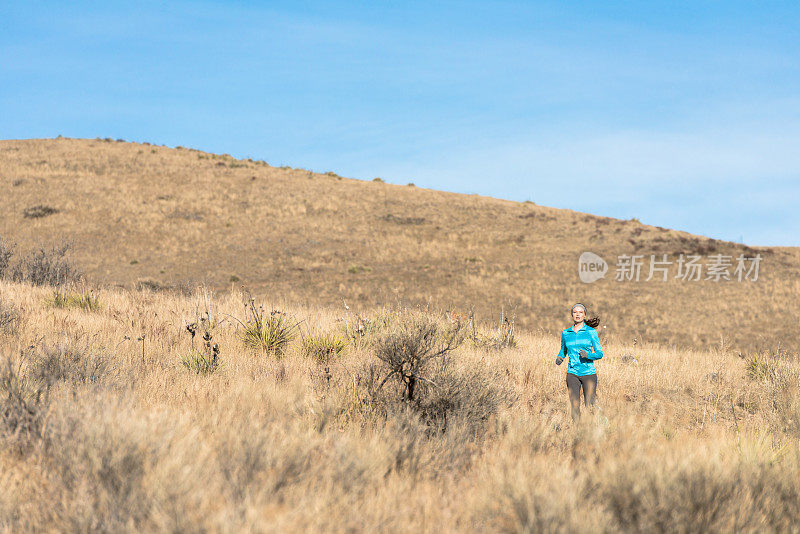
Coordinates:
<point>591,267</point>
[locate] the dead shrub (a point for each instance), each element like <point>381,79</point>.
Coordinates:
<point>420,373</point>
<point>467,395</point>
<point>117,469</point>
<point>71,361</point>
<point>6,253</point>
<point>46,267</point>
<point>408,350</point>
<point>9,318</point>
<point>23,403</point>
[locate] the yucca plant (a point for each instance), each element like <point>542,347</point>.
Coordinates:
<point>201,361</point>
<point>322,348</point>
<point>269,332</point>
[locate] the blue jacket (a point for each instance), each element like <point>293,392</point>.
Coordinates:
<point>571,344</point>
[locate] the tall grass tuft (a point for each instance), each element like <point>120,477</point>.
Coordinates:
<point>201,362</point>
<point>322,348</point>
<point>766,368</point>
<point>84,300</point>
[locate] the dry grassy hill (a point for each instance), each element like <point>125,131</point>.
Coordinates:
<point>139,213</point>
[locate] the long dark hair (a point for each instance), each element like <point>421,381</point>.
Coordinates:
<point>593,322</point>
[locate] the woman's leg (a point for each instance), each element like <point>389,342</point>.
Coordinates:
<point>589,383</point>
<point>574,387</point>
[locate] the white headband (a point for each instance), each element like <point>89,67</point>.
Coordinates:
<point>578,304</point>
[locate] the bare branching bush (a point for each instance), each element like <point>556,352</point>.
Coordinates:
<point>421,372</point>
<point>46,267</point>
<point>412,345</point>
<point>322,348</point>
<point>268,332</point>
<point>84,300</point>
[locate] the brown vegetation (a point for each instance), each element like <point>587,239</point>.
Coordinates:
<point>149,216</point>
<point>105,427</point>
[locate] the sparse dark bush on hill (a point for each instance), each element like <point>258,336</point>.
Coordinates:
<point>402,220</point>
<point>38,211</point>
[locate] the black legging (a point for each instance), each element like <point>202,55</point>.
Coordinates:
<point>574,383</point>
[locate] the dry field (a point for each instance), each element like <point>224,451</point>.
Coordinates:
<point>160,217</point>
<point>103,431</point>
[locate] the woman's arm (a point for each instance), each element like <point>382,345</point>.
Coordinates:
<point>563,352</point>
<point>597,349</point>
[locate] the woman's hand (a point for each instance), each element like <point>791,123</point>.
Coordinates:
<point>583,354</point>
<point>559,359</point>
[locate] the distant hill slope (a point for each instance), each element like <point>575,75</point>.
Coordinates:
<point>139,212</point>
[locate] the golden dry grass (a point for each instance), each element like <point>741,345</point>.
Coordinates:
<point>686,440</point>
<point>143,213</point>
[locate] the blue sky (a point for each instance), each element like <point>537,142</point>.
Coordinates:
<point>682,114</point>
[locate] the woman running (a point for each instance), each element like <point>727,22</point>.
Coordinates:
<point>581,345</point>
